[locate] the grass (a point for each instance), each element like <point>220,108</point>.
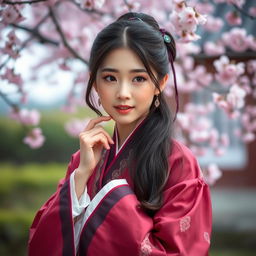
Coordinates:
<point>231,252</point>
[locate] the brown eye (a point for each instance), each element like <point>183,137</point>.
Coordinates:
<point>139,79</point>
<point>109,78</point>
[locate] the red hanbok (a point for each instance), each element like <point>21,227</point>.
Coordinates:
<point>114,222</point>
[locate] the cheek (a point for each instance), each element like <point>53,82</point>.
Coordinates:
<point>146,95</point>
<point>104,93</point>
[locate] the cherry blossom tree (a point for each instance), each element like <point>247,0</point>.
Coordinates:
<point>65,29</point>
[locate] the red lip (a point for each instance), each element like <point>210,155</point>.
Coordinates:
<point>123,109</point>
<point>123,106</point>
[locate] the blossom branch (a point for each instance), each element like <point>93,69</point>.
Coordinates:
<point>65,42</point>
<point>35,33</point>
<point>86,10</point>
<point>10,103</point>
<point>18,51</point>
<point>23,2</point>
<point>244,12</point>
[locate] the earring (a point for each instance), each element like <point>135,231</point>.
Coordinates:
<point>157,102</point>
<point>99,102</point>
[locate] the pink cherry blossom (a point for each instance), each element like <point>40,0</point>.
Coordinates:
<point>252,42</point>
<point>11,77</point>
<point>90,4</point>
<point>212,48</point>
<point>236,96</point>
<point>187,19</point>
<point>236,39</point>
<point>135,6</point>
<point>244,82</point>
<point>13,38</point>
<point>248,137</point>
<point>227,72</point>
<point>198,150</point>
<point>185,49</point>
<point>25,116</point>
<point>233,18</point>
<point>214,138</point>
<point>9,15</point>
<point>178,5</point>
<point>68,108</point>
<point>201,76</point>
<point>181,18</point>
<point>35,138</point>
<point>252,11</point>
<point>199,136</point>
<point>187,37</point>
<point>183,120</point>
<point>185,22</point>
<point>204,8</point>
<point>239,3</point>
<point>75,126</point>
<point>212,174</point>
<point>213,24</point>
<point>233,101</point>
<point>224,140</point>
<point>220,100</point>
<point>219,151</point>
<point>63,66</point>
<point>174,21</point>
<point>9,49</point>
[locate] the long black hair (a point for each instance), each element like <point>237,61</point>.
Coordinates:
<point>142,34</point>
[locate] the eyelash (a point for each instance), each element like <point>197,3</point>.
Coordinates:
<point>106,78</point>
<point>140,77</point>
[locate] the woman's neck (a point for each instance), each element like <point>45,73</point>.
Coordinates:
<point>123,133</point>
<point>125,130</point>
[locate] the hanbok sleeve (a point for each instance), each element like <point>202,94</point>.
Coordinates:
<point>182,227</point>
<point>48,230</point>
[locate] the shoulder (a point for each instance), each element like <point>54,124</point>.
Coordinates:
<point>183,164</point>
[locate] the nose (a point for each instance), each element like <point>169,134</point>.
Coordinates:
<point>123,91</point>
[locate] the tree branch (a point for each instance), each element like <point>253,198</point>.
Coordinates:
<point>35,33</point>
<point>23,2</point>
<point>86,10</point>
<point>244,12</point>
<point>64,40</point>
<point>11,104</point>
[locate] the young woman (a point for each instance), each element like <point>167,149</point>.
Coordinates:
<point>140,192</point>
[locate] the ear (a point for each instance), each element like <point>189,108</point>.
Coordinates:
<point>162,84</point>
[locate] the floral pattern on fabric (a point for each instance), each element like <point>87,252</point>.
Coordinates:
<point>116,173</point>
<point>145,248</point>
<point>185,223</point>
<point>98,172</point>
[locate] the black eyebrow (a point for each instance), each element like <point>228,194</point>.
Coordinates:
<point>138,70</point>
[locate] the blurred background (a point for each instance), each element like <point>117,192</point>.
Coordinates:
<point>29,176</point>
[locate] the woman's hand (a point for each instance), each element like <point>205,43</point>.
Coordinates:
<point>92,141</point>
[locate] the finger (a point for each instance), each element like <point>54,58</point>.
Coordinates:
<point>95,121</point>
<point>93,140</point>
<point>99,129</point>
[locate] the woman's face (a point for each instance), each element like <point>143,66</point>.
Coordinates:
<point>125,88</point>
